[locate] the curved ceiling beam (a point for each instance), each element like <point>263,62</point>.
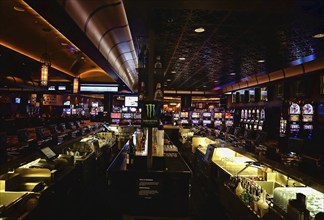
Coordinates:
<point>105,24</point>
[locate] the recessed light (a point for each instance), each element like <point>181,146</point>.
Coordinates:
<point>204,86</point>
<point>182,58</point>
<point>169,80</point>
<point>261,61</point>
<point>200,30</point>
<point>215,81</point>
<point>232,74</point>
<point>173,72</point>
<point>318,35</point>
<point>64,44</point>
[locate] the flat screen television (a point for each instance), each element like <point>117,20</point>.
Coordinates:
<point>131,101</point>
<point>115,115</point>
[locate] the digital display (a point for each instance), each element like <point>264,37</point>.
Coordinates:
<point>115,115</point>
<point>127,115</point>
<point>307,118</point>
<point>207,114</point>
<point>98,88</point>
<point>17,100</point>
<point>95,104</point>
<point>184,121</point>
<point>308,109</point>
<point>67,103</point>
<point>51,88</point>
<point>294,126</point>
<point>183,114</point>
<point>294,109</point>
<point>131,101</point>
<point>195,115</point>
<point>195,121</point>
<point>61,88</point>
<point>176,115</point>
<point>206,122</point>
<point>228,115</point>
<point>218,123</point>
<point>217,115</point>
<point>229,123</point>
<point>115,121</point>
<point>308,127</point>
<point>137,116</point>
<point>294,117</point>
<point>260,128</point>
<point>48,152</point>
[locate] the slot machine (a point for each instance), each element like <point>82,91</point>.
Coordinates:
<point>115,117</point>
<point>294,120</point>
<point>248,119</point>
<point>184,119</point>
<point>256,119</point>
<point>262,119</point>
<point>228,119</point>
<point>207,119</point>
<point>252,119</point>
<point>307,120</point>
<point>195,118</point>
<point>127,117</point>
<point>175,118</point>
<point>217,120</point>
<point>242,118</point>
<point>137,118</point>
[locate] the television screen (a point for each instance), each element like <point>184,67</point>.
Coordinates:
<point>115,115</point>
<point>67,103</point>
<point>131,101</point>
<point>17,100</point>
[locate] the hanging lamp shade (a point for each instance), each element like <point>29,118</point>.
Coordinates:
<point>46,63</point>
<point>75,85</point>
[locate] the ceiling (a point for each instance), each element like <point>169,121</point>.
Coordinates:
<point>97,43</point>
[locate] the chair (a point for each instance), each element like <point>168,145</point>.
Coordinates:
<point>40,134</point>
<point>22,135</point>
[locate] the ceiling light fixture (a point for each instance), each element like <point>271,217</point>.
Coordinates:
<point>261,61</point>
<point>46,63</point>
<point>182,58</point>
<point>215,81</point>
<point>173,72</point>
<point>232,74</point>
<point>19,8</point>
<point>75,85</point>
<point>200,30</point>
<point>169,80</point>
<point>318,36</point>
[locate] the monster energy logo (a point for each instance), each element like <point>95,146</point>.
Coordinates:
<point>150,110</point>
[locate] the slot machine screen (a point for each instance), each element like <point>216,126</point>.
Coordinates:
<point>294,109</point>
<point>115,121</point>
<point>206,114</point>
<point>307,118</point>
<point>195,115</point>
<point>217,115</point>
<point>227,115</point>
<point>229,123</point>
<point>206,122</point>
<point>127,115</point>
<point>184,121</point>
<point>184,115</point>
<point>294,126</point>
<point>294,117</point>
<point>308,127</point>
<point>218,123</point>
<point>195,121</point>
<point>115,115</point>
<point>137,116</point>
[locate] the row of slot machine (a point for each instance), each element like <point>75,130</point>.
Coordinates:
<point>208,119</point>
<point>253,118</point>
<point>300,121</point>
<point>125,117</point>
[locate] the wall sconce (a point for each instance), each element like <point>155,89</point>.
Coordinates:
<point>75,85</point>
<point>46,63</point>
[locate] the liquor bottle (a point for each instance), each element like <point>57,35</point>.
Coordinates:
<point>158,95</point>
<point>141,94</point>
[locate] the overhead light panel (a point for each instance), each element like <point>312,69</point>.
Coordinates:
<point>318,36</point>
<point>200,30</point>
